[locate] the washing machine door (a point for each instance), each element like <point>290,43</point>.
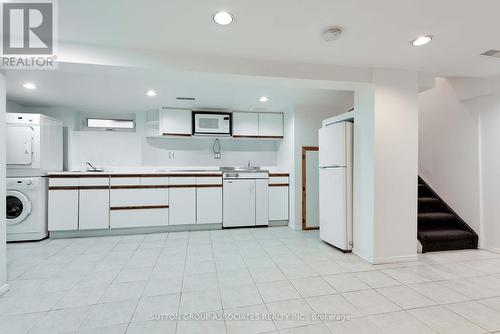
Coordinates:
<point>18,207</point>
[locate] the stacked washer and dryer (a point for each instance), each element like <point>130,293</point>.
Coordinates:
<point>34,148</point>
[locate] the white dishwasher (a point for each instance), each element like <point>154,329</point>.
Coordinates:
<point>245,199</point>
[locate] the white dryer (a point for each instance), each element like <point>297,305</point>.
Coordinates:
<point>26,208</point>
<point>34,144</point>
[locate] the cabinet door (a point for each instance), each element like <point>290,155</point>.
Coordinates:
<point>270,125</point>
<point>209,205</point>
<point>63,210</point>
<point>245,124</point>
<point>278,203</point>
<point>135,217</point>
<point>182,206</point>
<point>261,202</point>
<point>239,203</point>
<point>94,209</point>
<point>175,122</point>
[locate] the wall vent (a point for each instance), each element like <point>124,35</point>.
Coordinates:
<point>491,53</point>
<point>180,98</point>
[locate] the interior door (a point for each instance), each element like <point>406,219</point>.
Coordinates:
<point>19,144</point>
<point>333,207</point>
<point>239,203</point>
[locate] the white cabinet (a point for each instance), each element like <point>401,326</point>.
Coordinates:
<point>278,197</point>
<point>175,122</point>
<point>93,212</point>
<point>63,204</point>
<point>278,203</point>
<point>138,202</point>
<point>261,202</point>
<point>245,124</point>
<point>63,209</point>
<point>209,200</point>
<point>93,209</point>
<point>271,125</point>
<point>182,208</point>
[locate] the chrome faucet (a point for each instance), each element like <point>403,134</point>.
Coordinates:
<point>93,168</point>
<point>248,164</point>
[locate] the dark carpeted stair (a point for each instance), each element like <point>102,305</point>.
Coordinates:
<point>439,227</point>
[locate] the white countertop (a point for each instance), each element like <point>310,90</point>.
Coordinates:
<point>157,171</point>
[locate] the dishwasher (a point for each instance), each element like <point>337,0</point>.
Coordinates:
<point>245,199</point>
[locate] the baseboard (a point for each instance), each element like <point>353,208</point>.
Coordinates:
<point>393,259</point>
<point>278,223</point>
<point>4,289</point>
<point>490,249</point>
<point>133,230</point>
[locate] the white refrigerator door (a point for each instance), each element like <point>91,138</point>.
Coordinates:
<point>333,218</point>
<point>332,145</point>
<point>19,144</point>
<point>238,203</point>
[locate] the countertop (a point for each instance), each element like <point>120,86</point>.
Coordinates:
<point>160,172</point>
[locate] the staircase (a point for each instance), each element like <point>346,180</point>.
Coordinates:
<point>439,227</point>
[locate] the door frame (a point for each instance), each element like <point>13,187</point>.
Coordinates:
<point>304,186</point>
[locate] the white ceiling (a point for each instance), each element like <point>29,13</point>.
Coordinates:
<point>103,88</point>
<point>376,33</point>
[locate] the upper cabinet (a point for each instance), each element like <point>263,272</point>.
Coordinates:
<point>245,124</point>
<point>271,125</point>
<point>257,125</point>
<point>175,122</point>
<point>179,122</point>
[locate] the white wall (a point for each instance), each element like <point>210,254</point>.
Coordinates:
<point>490,170</point>
<point>396,161</point>
<point>449,147</point>
<point>3,249</point>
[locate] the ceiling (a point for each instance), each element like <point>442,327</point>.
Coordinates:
<point>108,89</point>
<point>376,33</point>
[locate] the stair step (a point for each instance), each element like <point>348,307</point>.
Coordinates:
<point>434,216</point>
<point>431,204</point>
<point>446,239</point>
<point>433,220</point>
<point>424,191</point>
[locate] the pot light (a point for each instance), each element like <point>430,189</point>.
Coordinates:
<point>264,99</point>
<point>422,40</point>
<point>223,18</point>
<point>151,93</point>
<point>29,85</point>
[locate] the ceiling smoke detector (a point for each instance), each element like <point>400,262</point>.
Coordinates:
<point>491,53</point>
<point>332,34</point>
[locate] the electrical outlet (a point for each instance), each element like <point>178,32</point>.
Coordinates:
<point>171,155</point>
<point>217,155</point>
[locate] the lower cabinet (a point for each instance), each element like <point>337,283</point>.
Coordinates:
<point>63,210</point>
<point>93,210</point>
<point>278,203</point>
<point>136,217</point>
<point>209,205</point>
<point>182,206</point>
<point>138,206</point>
<point>261,202</point>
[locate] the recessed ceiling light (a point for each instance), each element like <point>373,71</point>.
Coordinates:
<point>151,93</point>
<point>422,40</point>
<point>264,99</point>
<point>223,18</point>
<point>29,85</point>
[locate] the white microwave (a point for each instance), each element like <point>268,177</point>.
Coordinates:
<point>211,123</point>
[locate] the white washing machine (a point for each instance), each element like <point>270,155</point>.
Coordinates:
<point>26,208</point>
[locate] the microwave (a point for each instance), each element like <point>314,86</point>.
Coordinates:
<point>212,123</point>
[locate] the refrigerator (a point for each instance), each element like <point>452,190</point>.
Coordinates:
<point>335,184</point>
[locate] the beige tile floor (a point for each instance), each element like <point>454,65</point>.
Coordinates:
<point>139,283</point>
